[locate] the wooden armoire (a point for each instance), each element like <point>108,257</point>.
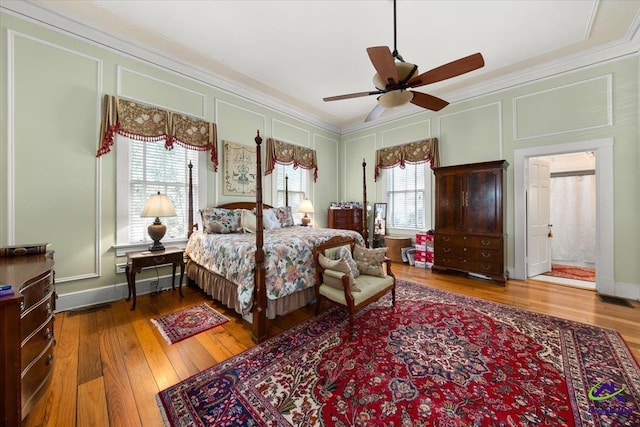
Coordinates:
<point>470,216</point>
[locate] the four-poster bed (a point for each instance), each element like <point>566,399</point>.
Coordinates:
<point>261,273</point>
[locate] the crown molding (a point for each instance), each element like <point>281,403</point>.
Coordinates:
<point>595,56</point>
<point>39,14</point>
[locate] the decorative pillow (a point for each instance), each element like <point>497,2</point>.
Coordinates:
<point>248,221</point>
<point>345,253</point>
<point>370,261</point>
<point>221,221</point>
<point>269,219</point>
<point>336,282</point>
<point>339,265</point>
<point>284,215</point>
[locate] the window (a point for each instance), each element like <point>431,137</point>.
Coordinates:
<point>144,168</point>
<point>298,182</point>
<point>406,196</point>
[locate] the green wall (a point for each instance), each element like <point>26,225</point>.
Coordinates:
<point>54,190</point>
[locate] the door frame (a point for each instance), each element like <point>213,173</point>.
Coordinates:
<point>603,150</point>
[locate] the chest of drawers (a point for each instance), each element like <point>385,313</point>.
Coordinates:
<point>26,334</point>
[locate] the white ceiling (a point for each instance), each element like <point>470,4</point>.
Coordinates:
<point>294,53</point>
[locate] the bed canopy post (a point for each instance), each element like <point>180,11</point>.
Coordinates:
<point>259,327</point>
<point>286,190</point>
<point>365,212</point>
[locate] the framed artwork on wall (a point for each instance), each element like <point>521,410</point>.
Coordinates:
<point>239,169</point>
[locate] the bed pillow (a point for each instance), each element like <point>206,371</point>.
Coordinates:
<point>221,221</point>
<point>370,261</point>
<point>248,221</point>
<point>269,220</point>
<point>284,216</point>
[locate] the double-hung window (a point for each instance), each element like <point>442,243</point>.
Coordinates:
<point>298,187</point>
<point>407,196</point>
<point>146,168</point>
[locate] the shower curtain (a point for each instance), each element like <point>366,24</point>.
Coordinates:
<point>573,215</point>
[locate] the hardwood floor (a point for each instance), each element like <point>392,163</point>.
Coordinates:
<point>111,363</point>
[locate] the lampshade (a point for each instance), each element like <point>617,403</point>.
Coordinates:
<point>158,205</point>
<point>395,98</point>
<point>305,206</point>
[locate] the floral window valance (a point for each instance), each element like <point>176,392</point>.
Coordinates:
<point>287,154</point>
<point>147,123</point>
<point>413,152</point>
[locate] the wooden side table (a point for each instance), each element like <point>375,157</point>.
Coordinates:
<point>136,261</point>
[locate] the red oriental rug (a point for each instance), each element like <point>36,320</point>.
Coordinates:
<point>185,323</point>
<point>572,272</point>
<point>436,359</point>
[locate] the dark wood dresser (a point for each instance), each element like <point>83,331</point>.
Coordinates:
<point>346,219</point>
<point>26,333</point>
<point>470,229</point>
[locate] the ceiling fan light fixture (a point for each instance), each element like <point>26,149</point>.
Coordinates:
<point>404,68</point>
<point>395,98</point>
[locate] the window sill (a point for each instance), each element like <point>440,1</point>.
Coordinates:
<point>121,250</point>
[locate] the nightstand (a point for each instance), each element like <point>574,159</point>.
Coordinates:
<point>136,261</point>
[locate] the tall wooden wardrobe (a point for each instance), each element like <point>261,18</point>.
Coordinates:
<point>470,229</point>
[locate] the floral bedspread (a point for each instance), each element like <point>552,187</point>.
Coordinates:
<point>288,258</point>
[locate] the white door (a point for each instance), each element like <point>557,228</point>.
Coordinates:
<point>538,217</point>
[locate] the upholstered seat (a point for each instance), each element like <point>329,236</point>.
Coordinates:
<point>339,284</point>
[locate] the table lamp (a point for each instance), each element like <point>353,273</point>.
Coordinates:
<point>305,207</point>
<point>157,205</point>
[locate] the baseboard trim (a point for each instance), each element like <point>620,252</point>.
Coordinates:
<point>89,297</point>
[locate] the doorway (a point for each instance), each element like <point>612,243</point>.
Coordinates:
<point>603,152</point>
<point>561,219</point>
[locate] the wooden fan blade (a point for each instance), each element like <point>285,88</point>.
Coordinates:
<point>351,95</point>
<point>375,113</point>
<point>383,62</point>
<point>446,71</point>
<point>427,101</point>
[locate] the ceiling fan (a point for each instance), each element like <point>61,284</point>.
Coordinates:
<point>395,79</point>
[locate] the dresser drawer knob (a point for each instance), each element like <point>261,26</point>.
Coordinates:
<point>21,306</point>
<point>486,242</point>
<point>48,334</point>
<point>486,254</point>
<point>48,307</point>
<point>49,359</point>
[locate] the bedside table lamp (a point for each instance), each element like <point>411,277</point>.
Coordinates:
<point>305,207</point>
<point>157,205</point>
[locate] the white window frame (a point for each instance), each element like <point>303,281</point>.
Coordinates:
<point>122,197</point>
<point>427,200</point>
<point>306,193</point>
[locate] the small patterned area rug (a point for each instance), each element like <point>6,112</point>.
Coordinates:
<point>436,359</point>
<point>185,323</point>
<point>572,272</point>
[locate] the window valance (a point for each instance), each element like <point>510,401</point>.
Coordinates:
<point>148,123</point>
<point>422,151</point>
<point>285,154</point>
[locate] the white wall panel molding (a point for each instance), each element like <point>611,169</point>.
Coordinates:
<point>275,123</point>
<point>606,80</point>
<point>122,75</point>
<point>12,37</point>
<point>498,121</point>
<point>418,124</point>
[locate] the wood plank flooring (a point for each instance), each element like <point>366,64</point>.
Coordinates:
<point>111,363</point>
